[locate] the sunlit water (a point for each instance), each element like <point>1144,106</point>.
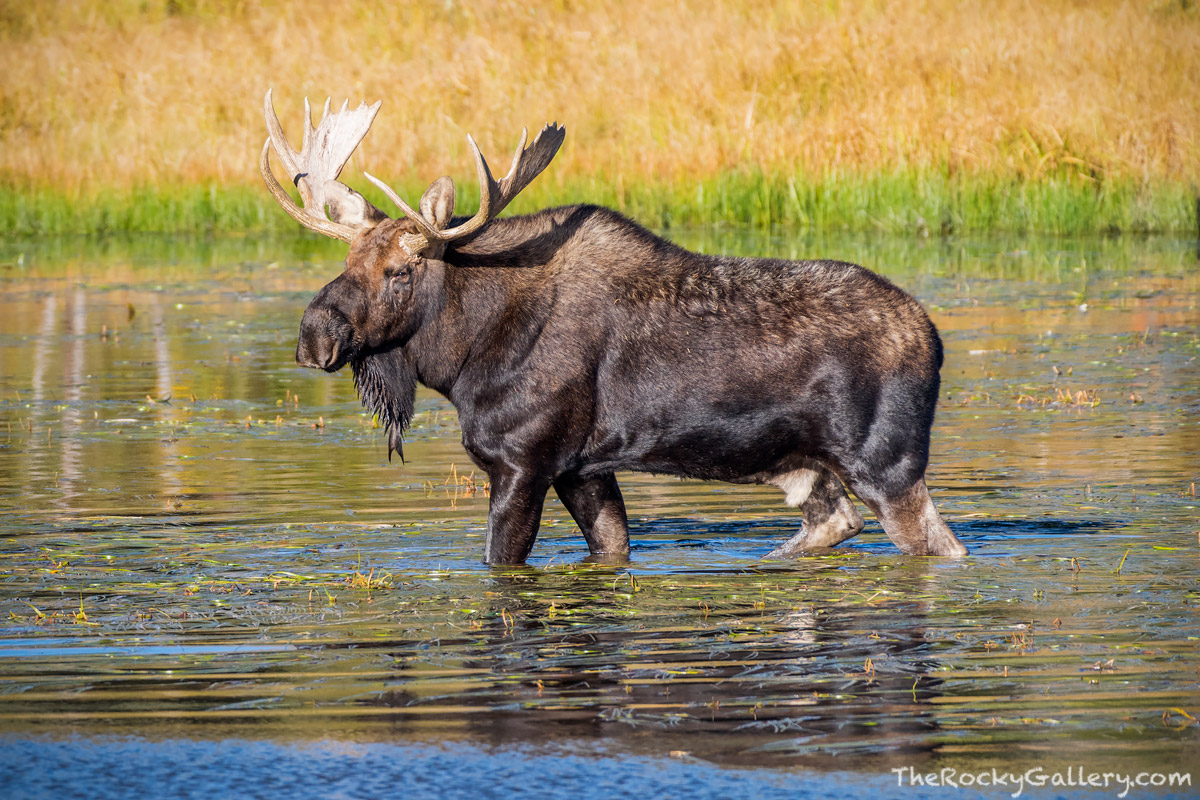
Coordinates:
<point>205,554</point>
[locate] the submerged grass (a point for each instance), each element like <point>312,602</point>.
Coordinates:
<point>901,202</point>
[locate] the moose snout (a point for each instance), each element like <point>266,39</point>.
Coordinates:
<point>325,340</point>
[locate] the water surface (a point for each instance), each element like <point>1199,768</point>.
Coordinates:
<point>203,544</point>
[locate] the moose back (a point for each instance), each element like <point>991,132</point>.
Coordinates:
<point>575,344</point>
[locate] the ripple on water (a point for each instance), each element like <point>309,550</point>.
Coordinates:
<point>202,542</point>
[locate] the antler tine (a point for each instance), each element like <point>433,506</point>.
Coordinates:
<point>516,162</point>
<point>428,231</point>
<point>307,129</point>
<point>488,191</point>
<point>487,186</point>
<point>286,154</point>
<point>324,151</point>
<point>527,164</point>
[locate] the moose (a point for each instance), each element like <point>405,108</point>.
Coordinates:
<point>575,344</point>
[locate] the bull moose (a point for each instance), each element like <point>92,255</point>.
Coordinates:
<point>574,343</point>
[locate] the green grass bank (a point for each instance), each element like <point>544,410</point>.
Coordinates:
<point>901,202</point>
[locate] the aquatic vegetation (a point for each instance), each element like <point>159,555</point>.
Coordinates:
<point>201,539</point>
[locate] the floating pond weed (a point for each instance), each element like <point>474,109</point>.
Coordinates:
<point>169,570</point>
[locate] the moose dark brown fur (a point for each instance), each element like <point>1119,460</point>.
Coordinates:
<point>575,344</point>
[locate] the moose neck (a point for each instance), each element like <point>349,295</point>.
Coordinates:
<point>489,289</point>
<point>463,308</point>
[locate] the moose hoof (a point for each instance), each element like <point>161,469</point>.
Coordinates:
<point>815,537</point>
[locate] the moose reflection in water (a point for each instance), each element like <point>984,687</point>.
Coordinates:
<point>760,682</point>
<point>175,485</point>
<point>575,344</point>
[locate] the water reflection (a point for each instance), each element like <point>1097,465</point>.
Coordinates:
<point>711,686</point>
<point>200,539</point>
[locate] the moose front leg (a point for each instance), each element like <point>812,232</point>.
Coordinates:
<point>514,514</point>
<point>599,511</point>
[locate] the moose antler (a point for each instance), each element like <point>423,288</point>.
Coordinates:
<point>325,150</point>
<point>527,164</point>
<point>315,168</point>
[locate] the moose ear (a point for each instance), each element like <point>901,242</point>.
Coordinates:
<point>437,204</point>
<point>348,207</point>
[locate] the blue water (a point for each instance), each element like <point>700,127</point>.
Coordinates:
<point>188,522</point>
<point>128,767</point>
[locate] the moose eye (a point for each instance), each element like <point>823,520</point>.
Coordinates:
<point>398,278</point>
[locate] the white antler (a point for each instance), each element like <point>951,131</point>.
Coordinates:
<point>323,153</point>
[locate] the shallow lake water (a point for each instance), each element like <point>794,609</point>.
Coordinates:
<point>211,575</point>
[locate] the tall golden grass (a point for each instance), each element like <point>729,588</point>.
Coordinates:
<point>130,93</point>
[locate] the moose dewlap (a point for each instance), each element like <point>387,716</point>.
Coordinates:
<point>574,344</point>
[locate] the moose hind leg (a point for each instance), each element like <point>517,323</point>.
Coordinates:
<point>913,523</point>
<point>830,517</point>
<point>514,514</point>
<point>599,511</point>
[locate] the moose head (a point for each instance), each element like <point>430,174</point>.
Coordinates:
<point>393,267</point>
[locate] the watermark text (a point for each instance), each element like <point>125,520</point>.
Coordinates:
<point>1039,777</point>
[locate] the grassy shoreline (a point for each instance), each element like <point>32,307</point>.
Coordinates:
<point>936,115</point>
<point>923,203</point>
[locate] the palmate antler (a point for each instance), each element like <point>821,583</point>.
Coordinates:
<point>315,168</point>
<point>326,149</point>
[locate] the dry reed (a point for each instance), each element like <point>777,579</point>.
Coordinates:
<point>126,94</point>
